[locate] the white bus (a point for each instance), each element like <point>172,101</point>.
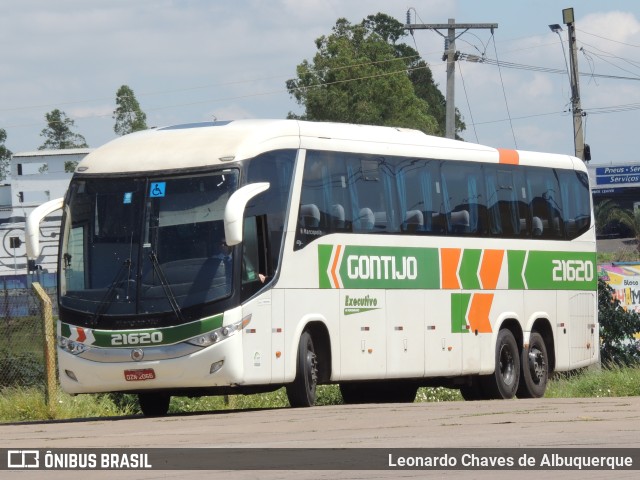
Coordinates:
<point>239,257</point>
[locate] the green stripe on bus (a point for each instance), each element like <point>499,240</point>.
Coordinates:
<point>469,269</point>
<point>324,256</point>
<point>168,335</point>
<point>367,267</point>
<point>561,271</point>
<point>459,307</point>
<point>379,267</point>
<point>515,261</point>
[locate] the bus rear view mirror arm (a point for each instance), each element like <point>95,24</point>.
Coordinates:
<point>234,211</point>
<point>32,227</point>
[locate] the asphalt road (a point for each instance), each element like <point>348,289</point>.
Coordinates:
<point>522,424</point>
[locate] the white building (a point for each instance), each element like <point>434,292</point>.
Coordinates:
<point>36,177</point>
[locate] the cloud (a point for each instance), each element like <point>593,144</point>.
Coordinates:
<point>610,30</point>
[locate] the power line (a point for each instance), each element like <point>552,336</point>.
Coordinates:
<point>608,39</point>
<point>504,93</point>
<point>466,96</point>
<point>519,66</point>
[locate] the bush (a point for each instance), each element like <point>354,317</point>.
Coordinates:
<point>617,328</point>
<point>21,369</point>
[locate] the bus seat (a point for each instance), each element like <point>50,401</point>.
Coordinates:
<point>523,225</point>
<point>414,217</point>
<point>380,220</point>
<point>460,221</point>
<point>310,215</point>
<point>536,226</point>
<point>414,220</point>
<point>366,218</point>
<point>337,214</point>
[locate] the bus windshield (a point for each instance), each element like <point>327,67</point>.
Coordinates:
<point>145,245</point>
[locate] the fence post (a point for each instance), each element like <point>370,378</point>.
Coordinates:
<point>49,343</point>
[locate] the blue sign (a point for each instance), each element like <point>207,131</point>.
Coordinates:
<point>618,175</point>
<point>128,196</point>
<point>157,189</point>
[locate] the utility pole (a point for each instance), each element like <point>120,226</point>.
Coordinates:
<point>450,55</point>
<point>578,132</point>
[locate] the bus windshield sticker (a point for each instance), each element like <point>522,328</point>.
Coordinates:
<point>157,189</point>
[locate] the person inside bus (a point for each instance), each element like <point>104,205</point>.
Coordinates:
<point>249,272</point>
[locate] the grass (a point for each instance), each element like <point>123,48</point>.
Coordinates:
<point>28,404</point>
<point>608,382</point>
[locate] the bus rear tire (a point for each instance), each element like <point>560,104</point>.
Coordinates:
<point>302,392</point>
<point>534,366</point>
<point>503,383</point>
<point>154,404</point>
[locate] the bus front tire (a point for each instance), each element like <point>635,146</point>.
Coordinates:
<point>503,383</point>
<point>154,404</point>
<point>534,365</point>
<point>302,392</point>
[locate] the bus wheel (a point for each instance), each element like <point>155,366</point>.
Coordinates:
<point>302,392</point>
<point>534,368</point>
<point>504,381</point>
<point>154,404</point>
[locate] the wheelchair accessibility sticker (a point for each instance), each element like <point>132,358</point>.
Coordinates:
<point>157,189</point>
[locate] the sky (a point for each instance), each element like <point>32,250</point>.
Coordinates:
<point>199,60</point>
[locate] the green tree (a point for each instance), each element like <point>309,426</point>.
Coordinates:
<point>617,327</point>
<point>58,133</point>
<point>5,155</point>
<point>608,211</point>
<point>391,30</point>
<point>128,114</point>
<point>357,77</point>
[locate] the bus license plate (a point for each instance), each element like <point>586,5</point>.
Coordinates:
<point>139,375</point>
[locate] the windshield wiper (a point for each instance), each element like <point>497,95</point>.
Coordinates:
<point>165,286</point>
<point>106,299</point>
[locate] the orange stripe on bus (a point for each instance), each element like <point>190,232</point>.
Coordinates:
<point>479,309</point>
<point>490,268</point>
<point>334,267</point>
<point>508,156</point>
<point>450,258</point>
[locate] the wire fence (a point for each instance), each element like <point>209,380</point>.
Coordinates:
<point>22,336</point>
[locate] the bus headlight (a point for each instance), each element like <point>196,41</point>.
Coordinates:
<point>219,334</point>
<point>71,346</point>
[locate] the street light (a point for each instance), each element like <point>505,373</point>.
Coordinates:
<point>556,28</point>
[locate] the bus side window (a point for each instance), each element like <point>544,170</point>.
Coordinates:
<point>464,198</point>
<point>277,169</point>
<point>254,256</point>
<point>545,203</point>
<point>574,188</point>
<point>419,197</point>
<point>506,202</point>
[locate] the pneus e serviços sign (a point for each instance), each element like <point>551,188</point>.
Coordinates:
<point>367,267</point>
<point>618,175</point>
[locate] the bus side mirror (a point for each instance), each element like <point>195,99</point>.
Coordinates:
<point>234,211</point>
<point>32,227</point>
